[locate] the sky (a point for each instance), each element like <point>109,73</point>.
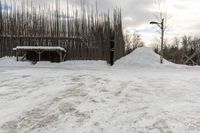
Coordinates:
<point>182,15</point>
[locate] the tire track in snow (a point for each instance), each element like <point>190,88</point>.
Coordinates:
<point>46,114</point>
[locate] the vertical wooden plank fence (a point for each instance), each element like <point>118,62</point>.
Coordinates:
<point>85,35</point>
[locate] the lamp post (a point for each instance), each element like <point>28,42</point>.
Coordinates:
<point>161,25</point>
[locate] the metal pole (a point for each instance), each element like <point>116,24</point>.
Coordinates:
<point>162,41</point>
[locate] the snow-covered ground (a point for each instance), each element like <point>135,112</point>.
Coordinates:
<point>136,95</point>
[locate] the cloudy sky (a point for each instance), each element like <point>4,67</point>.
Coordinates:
<point>183,15</point>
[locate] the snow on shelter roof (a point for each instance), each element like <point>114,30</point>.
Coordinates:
<point>45,48</point>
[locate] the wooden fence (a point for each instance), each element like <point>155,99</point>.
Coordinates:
<point>85,35</point>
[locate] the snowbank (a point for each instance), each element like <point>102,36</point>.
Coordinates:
<point>75,64</point>
<point>142,57</point>
<point>11,61</point>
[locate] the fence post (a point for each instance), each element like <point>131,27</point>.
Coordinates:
<point>112,52</point>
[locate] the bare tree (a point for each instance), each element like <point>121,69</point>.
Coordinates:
<point>176,42</point>
<point>133,41</point>
<point>161,16</point>
<point>137,41</point>
<point>161,13</point>
<point>186,42</point>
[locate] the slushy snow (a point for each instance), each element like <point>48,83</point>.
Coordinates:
<point>136,95</point>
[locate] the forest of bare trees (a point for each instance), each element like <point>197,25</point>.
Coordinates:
<point>182,50</point>
<point>84,33</point>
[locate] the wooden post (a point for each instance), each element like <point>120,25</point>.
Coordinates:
<point>64,57</point>
<point>39,53</point>
<point>17,55</point>
<point>60,56</point>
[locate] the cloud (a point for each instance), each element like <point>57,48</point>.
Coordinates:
<point>183,14</point>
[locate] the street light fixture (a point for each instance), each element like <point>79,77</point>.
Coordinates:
<point>154,22</point>
<point>161,25</point>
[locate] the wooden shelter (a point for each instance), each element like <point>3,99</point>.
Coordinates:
<point>41,53</point>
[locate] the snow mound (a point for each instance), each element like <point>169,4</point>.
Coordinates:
<point>73,64</point>
<point>11,61</point>
<point>141,57</point>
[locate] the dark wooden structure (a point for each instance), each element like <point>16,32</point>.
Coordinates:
<point>40,53</point>
<point>84,36</point>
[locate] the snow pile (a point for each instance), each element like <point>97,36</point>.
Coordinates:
<point>74,64</point>
<point>141,57</point>
<point>11,61</point>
